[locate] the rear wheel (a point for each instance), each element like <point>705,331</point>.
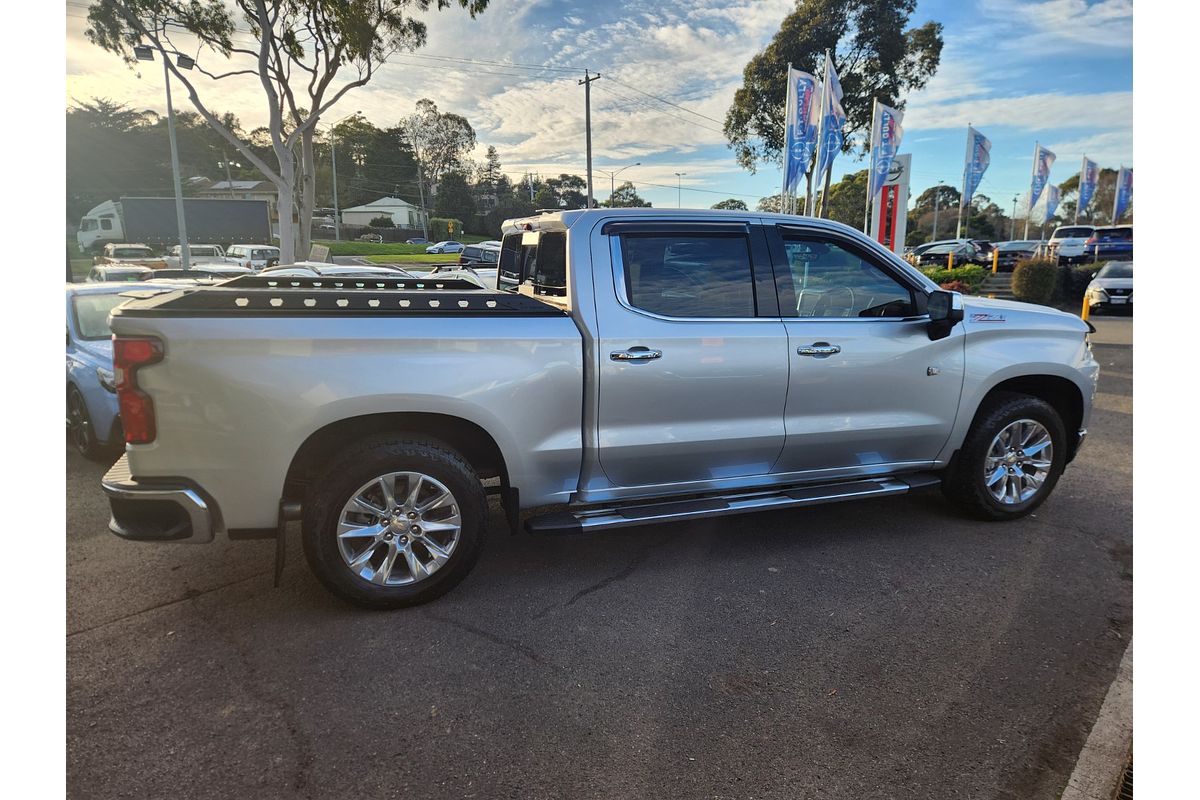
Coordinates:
<point>1011,459</point>
<point>80,428</point>
<point>394,522</point>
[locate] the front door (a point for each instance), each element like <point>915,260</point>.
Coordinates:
<point>869,392</point>
<point>691,362</point>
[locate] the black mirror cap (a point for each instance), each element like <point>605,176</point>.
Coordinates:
<point>945,311</point>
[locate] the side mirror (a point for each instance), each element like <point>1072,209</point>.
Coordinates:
<point>945,311</point>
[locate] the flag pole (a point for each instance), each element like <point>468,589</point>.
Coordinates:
<point>821,132</point>
<point>1116,195</point>
<point>1029,208</point>
<point>870,164</point>
<point>958,230</point>
<point>1079,191</point>
<point>787,118</point>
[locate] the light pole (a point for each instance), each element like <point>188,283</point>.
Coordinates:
<point>937,192</point>
<point>337,215</point>
<point>612,178</point>
<point>146,53</point>
<point>679,188</point>
<point>1012,231</point>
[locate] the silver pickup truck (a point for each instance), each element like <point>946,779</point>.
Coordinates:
<point>632,366</point>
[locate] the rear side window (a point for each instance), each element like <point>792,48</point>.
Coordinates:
<point>689,274</point>
<point>1115,234</point>
<point>542,264</point>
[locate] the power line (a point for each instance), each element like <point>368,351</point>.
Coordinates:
<point>668,102</point>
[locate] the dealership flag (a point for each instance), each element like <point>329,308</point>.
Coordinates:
<point>1089,175</point>
<point>832,119</point>
<point>979,156</point>
<point>800,131</point>
<point>886,132</point>
<point>1053,195</point>
<point>1123,196</point>
<point>1043,159</point>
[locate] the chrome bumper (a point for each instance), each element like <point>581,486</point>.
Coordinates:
<point>167,511</point>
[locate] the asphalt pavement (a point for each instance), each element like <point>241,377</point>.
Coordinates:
<point>885,649</point>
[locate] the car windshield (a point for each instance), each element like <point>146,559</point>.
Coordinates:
<point>91,314</point>
<point>132,252</point>
<point>1072,233</point>
<point>944,248</point>
<point>1118,270</point>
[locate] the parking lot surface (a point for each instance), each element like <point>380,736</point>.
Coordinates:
<point>885,649</point>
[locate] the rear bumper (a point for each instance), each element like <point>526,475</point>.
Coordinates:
<point>160,511</point>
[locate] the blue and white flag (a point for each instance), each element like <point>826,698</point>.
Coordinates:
<point>800,129</point>
<point>1053,195</point>
<point>1123,196</point>
<point>886,132</point>
<point>833,117</point>
<point>1043,159</point>
<point>1089,176</point>
<point>979,156</point>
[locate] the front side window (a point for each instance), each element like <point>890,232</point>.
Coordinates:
<point>832,280</point>
<point>88,225</point>
<point>106,224</point>
<point>689,274</point>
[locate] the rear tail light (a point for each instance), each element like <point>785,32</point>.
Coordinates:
<point>137,409</point>
<point>1091,240</point>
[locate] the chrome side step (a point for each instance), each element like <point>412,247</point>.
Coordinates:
<point>593,519</point>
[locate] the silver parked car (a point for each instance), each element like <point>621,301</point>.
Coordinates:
<point>1111,288</point>
<point>634,366</point>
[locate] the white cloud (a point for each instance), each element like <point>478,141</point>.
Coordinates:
<point>1032,112</point>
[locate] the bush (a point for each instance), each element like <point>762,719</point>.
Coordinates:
<point>972,276</point>
<point>1035,280</point>
<point>1073,282</point>
<point>441,229</point>
<point>956,286</point>
<point>382,221</point>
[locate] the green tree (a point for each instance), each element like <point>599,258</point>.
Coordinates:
<point>732,204</point>
<point>440,141</point>
<point>545,198</point>
<point>625,196</point>
<point>571,190</point>
<point>876,54</point>
<point>306,55</point>
<point>454,198</point>
<point>1099,210</point>
<point>847,199</point>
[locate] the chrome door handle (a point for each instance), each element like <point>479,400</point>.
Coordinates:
<point>635,354</point>
<point>818,349</point>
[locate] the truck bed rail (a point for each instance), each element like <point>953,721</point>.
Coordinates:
<point>258,295</point>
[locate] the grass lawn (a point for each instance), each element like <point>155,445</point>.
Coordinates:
<point>386,249</point>
<point>81,264</point>
<point>423,258</point>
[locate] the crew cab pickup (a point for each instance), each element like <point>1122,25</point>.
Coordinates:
<point>632,366</point>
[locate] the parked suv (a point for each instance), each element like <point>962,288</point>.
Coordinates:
<point>1110,244</point>
<point>1067,244</point>
<point>255,256</point>
<point>636,366</point>
<point>485,254</point>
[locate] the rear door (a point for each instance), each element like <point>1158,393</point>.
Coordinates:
<point>869,392</point>
<point>692,363</point>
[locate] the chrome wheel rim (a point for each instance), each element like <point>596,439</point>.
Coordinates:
<point>1018,462</point>
<point>399,528</point>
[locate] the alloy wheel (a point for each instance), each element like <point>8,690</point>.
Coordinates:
<point>1018,462</point>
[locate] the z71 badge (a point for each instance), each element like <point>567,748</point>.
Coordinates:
<point>982,317</point>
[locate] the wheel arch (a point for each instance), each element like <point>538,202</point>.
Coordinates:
<point>475,444</point>
<point>1062,394</point>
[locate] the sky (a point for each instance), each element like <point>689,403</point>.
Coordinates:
<point>1058,72</point>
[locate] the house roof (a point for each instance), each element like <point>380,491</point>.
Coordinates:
<point>242,186</point>
<point>381,204</point>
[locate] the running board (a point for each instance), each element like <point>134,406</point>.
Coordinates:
<point>594,519</point>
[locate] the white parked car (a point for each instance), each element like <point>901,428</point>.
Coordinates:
<point>254,256</point>
<point>445,247</point>
<point>1067,243</point>
<point>198,254</point>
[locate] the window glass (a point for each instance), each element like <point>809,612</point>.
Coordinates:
<point>689,274</point>
<point>830,280</point>
<point>543,264</point>
<point>88,225</point>
<point>106,224</point>
<point>91,314</point>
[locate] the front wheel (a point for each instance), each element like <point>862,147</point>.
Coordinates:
<point>1011,459</point>
<point>394,521</point>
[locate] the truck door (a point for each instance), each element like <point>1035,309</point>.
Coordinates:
<point>692,363</point>
<point>869,392</point>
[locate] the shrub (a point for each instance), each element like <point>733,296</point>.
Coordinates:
<point>382,221</point>
<point>972,276</point>
<point>1034,280</point>
<point>956,286</point>
<point>1073,282</point>
<point>441,229</point>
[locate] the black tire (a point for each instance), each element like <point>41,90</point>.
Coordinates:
<point>81,429</point>
<point>964,483</point>
<point>356,466</point>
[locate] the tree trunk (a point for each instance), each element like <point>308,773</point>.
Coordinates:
<point>308,192</point>
<point>287,204</point>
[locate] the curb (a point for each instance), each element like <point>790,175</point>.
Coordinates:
<point>1109,746</point>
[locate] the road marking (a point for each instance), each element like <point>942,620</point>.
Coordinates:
<point>1106,753</point>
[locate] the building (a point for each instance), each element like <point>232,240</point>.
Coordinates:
<point>244,190</point>
<point>403,213</point>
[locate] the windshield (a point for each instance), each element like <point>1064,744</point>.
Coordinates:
<point>1073,233</point>
<point>1115,234</point>
<point>91,314</point>
<point>1118,270</point>
<point>132,252</point>
<point>1026,245</point>
<point>201,251</point>
<point>264,253</point>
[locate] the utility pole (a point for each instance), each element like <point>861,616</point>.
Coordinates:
<point>1012,231</point>
<point>679,189</point>
<point>421,191</point>
<point>185,253</point>
<point>937,191</point>
<point>228,176</point>
<point>587,103</point>
<point>337,214</point>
